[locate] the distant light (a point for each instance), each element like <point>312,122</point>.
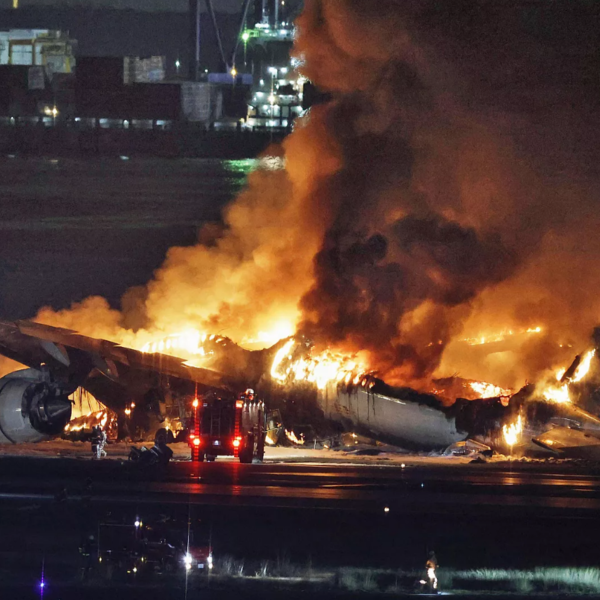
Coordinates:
<point>206,70</point>
<point>133,405</point>
<point>245,36</point>
<point>196,441</point>
<point>195,403</point>
<point>402,465</point>
<point>234,72</point>
<point>422,485</point>
<point>187,560</point>
<point>124,157</point>
<point>177,64</point>
<point>137,523</point>
<point>284,70</point>
<point>273,70</point>
<point>135,569</point>
<point>42,584</point>
<point>272,99</point>
<point>262,82</point>
<point>386,509</point>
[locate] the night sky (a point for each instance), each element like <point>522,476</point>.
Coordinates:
<point>130,27</point>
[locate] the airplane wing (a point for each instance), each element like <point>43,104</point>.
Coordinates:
<point>34,344</point>
<point>569,443</point>
<point>61,360</point>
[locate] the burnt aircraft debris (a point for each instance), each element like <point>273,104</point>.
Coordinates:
<point>34,402</point>
<point>155,388</point>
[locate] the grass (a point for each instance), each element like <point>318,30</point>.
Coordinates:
<point>543,579</point>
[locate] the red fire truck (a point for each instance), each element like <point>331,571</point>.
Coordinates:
<point>227,427</point>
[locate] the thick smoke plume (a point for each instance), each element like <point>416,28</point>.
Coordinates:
<point>447,191</point>
<point>447,198</point>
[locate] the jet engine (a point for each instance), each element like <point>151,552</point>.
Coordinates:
<point>32,407</point>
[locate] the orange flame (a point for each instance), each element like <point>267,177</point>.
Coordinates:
<point>501,336</point>
<point>512,432</point>
<point>584,367</point>
<point>323,369</point>
<point>487,390</point>
<point>293,438</point>
<point>560,393</point>
<point>88,421</point>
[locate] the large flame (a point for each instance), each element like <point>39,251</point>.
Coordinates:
<point>560,391</point>
<point>86,422</point>
<point>557,393</point>
<point>584,367</point>
<point>321,369</point>
<point>512,432</point>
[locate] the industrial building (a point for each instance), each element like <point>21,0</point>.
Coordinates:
<point>52,50</point>
<point>45,81</point>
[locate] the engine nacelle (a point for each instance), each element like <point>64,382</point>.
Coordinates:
<point>32,409</point>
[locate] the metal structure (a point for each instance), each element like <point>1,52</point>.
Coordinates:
<point>228,58</point>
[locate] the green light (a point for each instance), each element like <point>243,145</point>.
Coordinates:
<point>240,167</point>
<point>245,36</point>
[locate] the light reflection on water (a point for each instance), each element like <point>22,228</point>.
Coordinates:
<point>66,222</point>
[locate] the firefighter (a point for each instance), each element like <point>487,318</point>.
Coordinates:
<point>431,565</point>
<point>98,442</point>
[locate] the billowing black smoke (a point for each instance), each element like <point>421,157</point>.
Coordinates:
<point>456,133</point>
<point>365,285</point>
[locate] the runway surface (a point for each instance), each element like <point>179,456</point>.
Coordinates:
<point>307,516</point>
<point>413,489</point>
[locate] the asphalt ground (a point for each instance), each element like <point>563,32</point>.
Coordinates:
<point>328,516</point>
<point>408,487</point>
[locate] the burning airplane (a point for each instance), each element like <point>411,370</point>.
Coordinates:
<point>60,361</point>
<point>426,204</point>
